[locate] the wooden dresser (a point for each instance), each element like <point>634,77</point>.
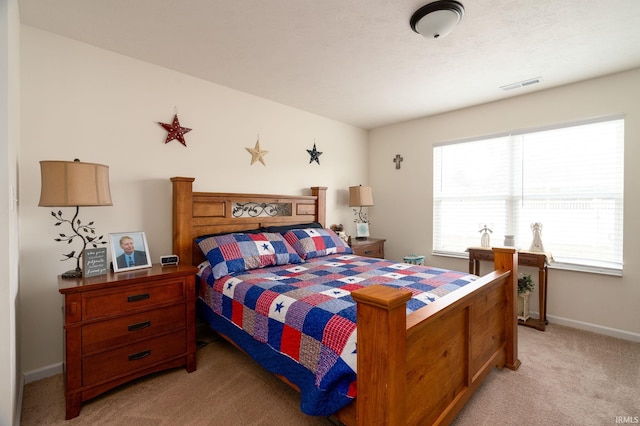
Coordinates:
<point>124,325</point>
<point>371,247</point>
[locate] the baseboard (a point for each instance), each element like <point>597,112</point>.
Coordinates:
<point>42,373</point>
<point>607,331</point>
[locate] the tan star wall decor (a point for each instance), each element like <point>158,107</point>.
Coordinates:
<point>257,154</point>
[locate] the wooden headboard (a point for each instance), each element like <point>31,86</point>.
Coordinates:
<point>202,213</point>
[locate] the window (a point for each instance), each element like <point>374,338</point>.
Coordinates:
<point>568,178</point>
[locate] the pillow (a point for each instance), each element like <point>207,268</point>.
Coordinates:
<point>240,252</point>
<point>283,229</point>
<point>312,242</point>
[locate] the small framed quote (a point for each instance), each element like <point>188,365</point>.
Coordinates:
<point>129,250</point>
<point>95,262</point>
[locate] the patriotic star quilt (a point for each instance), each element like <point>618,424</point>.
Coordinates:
<point>299,320</point>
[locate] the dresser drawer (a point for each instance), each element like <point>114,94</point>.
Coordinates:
<point>369,250</point>
<point>117,332</point>
<point>102,303</point>
<point>110,364</point>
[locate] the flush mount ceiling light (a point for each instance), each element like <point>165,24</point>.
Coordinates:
<point>437,19</point>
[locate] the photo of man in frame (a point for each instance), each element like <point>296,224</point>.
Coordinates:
<point>129,251</point>
<point>131,257</point>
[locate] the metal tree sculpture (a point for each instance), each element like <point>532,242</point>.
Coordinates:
<point>86,233</point>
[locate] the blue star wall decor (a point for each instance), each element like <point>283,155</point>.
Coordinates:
<point>315,154</point>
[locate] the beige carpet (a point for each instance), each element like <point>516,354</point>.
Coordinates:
<point>567,377</point>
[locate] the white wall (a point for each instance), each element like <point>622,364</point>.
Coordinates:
<point>9,137</point>
<point>82,102</point>
<point>596,302</point>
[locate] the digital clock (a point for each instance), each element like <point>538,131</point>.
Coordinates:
<point>171,259</point>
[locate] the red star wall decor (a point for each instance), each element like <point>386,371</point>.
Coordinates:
<point>175,131</point>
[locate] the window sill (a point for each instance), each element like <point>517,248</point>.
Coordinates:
<point>604,269</point>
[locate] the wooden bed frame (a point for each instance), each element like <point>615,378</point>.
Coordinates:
<point>418,369</point>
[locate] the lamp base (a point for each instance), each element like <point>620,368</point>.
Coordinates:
<point>74,273</point>
<point>362,238</point>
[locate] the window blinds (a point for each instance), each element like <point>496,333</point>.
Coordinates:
<point>569,178</point>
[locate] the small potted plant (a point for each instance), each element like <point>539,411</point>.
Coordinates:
<point>525,286</point>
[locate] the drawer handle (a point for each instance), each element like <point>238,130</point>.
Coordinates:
<point>140,355</point>
<point>367,251</point>
<point>138,297</point>
<point>139,326</point>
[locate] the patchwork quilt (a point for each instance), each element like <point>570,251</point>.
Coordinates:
<point>299,320</point>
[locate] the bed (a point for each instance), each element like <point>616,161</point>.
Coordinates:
<point>415,365</point>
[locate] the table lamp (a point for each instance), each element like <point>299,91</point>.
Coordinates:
<point>361,196</point>
<point>75,184</point>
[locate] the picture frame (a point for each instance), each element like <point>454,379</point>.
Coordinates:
<point>135,244</point>
<point>95,262</point>
<point>362,230</point>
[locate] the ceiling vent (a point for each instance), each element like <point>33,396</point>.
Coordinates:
<point>524,83</point>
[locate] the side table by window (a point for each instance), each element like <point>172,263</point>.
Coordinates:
<point>525,258</point>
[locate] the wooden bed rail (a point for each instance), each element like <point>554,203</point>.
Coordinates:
<point>421,369</point>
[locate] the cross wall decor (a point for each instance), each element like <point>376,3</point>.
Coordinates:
<point>398,159</point>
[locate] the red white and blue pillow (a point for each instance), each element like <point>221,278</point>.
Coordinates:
<point>240,252</point>
<point>314,242</point>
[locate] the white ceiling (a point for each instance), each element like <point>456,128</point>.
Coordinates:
<point>358,61</point>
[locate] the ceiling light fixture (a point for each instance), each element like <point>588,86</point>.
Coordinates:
<point>437,19</point>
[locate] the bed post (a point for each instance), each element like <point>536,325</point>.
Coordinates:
<point>382,354</point>
<point>321,205</point>
<point>182,217</point>
<point>507,259</point>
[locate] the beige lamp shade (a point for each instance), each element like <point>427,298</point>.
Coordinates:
<point>73,183</point>
<point>360,196</point>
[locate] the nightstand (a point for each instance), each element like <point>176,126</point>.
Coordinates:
<point>121,326</point>
<point>371,247</point>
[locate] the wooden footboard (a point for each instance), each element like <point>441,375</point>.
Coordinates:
<point>421,369</point>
